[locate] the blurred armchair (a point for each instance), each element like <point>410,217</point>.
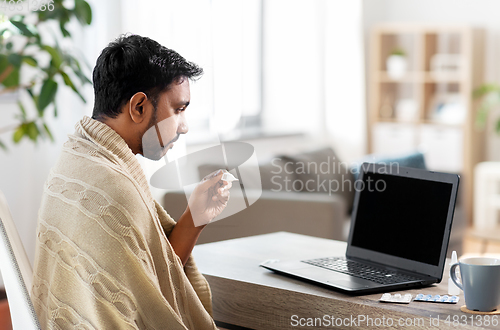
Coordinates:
<point>313,214</point>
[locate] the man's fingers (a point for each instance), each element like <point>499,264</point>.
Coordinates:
<point>223,201</point>
<point>223,191</point>
<point>221,196</point>
<point>214,176</point>
<point>213,181</point>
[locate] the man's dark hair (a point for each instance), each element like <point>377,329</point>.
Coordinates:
<point>133,64</point>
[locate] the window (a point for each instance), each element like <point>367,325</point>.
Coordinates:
<point>224,37</point>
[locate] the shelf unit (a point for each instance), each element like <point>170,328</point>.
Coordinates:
<point>428,106</point>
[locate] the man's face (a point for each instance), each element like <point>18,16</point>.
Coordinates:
<point>168,122</point>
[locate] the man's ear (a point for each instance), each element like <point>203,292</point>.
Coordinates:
<point>139,108</point>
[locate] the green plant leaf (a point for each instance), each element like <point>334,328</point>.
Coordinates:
<point>74,63</point>
<point>79,73</point>
<point>30,92</point>
<point>83,12</point>
<point>398,51</point>
<point>30,60</point>
<point>47,131</point>
<point>69,82</point>
<point>34,97</point>
<point>32,131</point>
<point>23,28</point>
<point>490,94</point>
<point>67,79</point>
<point>23,111</point>
<point>65,32</point>
<point>63,15</point>
<point>3,146</point>
<point>13,78</point>
<point>54,53</point>
<point>485,89</point>
<point>497,127</point>
<point>47,94</point>
<point>15,59</point>
<point>19,133</point>
<point>60,14</point>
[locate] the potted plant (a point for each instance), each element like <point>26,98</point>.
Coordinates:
<point>396,63</point>
<point>22,44</point>
<point>490,95</point>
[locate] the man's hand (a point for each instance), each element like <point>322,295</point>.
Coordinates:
<point>209,198</point>
<point>207,201</point>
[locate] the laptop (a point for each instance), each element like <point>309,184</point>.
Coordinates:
<point>400,228</point>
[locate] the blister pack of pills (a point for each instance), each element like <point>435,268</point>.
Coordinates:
<point>437,298</point>
<point>396,298</point>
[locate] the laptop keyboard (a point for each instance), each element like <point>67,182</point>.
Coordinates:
<point>357,269</point>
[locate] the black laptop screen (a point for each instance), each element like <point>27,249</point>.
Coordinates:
<point>401,216</point>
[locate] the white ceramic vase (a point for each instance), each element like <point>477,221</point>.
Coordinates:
<point>396,66</point>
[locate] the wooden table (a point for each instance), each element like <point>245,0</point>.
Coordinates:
<point>248,296</point>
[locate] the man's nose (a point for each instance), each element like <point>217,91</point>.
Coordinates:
<point>183,126</point>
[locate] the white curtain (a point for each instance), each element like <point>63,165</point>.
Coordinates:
<point>345,108</point>
<point>218,35</point>
<point>313,71</point>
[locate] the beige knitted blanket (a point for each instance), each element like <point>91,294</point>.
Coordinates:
<point>103,260</point>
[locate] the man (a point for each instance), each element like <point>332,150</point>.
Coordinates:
<point>107,255</point>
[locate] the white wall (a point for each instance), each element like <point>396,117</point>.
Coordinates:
<point>478,13</point>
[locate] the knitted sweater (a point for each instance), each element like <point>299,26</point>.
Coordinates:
<point>103,259</point>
